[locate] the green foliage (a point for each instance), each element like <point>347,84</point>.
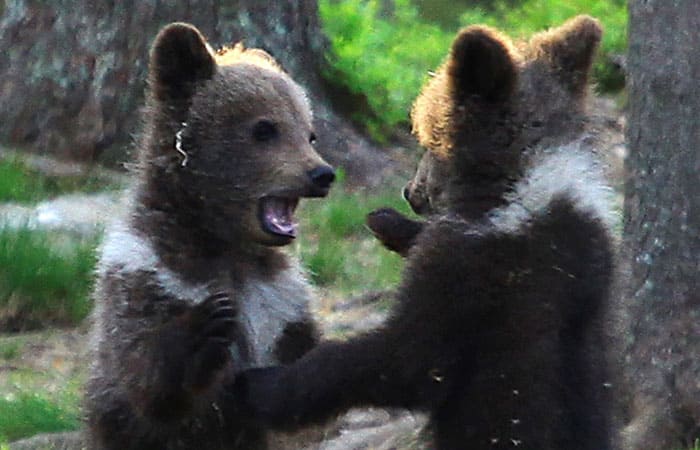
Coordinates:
<point>385,60</point>
<point>337,248</point>
<point>384,57</point>
<point>42,281</point>
<point>530,16</point>
<point>19,183</point>
<point>25,413</point>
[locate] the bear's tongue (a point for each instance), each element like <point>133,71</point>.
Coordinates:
<point>277,215</point>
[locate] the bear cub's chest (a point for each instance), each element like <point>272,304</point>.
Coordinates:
<point>268,310</point>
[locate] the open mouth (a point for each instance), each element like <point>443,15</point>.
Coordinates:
<point>277,215</point>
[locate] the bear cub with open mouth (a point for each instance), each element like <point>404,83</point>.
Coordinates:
<point>192,285</point>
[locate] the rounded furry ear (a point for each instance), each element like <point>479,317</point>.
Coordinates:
<point>570,49</point>
<point>179,58</point>
<point>481,64</point>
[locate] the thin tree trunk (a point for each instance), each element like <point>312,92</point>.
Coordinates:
<point>72,72</point>
<point>662,224</point>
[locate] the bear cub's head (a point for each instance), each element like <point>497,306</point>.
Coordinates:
<point>491,107</point>
<point>229,145</point>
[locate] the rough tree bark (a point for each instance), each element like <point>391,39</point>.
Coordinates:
<point>72,71</point>
<point>662,224</point>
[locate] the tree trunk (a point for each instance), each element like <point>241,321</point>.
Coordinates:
<point>72,72</point>
<point>662,224</point>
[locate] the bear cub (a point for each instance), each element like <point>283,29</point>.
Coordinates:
<point>192,285</point>
<point>497,328</point>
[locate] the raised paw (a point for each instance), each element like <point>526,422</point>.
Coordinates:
<point>215,318</point>
<point>395,231</point>
<point>214,330</point>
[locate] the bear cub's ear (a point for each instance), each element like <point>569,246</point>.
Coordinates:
<point>480,65</point>
<point>571,49</point>
<point>179,58</point>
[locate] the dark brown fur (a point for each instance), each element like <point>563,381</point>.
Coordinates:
<point>192,285</point>
<point>496,332</point>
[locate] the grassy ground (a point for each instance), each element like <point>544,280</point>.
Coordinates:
<point>45,278</point>
<point>25,411</point>
<point>21,184</point>
<point>40,383</point>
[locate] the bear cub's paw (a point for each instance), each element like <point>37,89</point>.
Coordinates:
<point>394,230</point>
<point>213,331</point>
<point>261,397</point>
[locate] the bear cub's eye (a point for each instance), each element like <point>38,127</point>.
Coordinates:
<point>312,139</point>
<point>264,131</point>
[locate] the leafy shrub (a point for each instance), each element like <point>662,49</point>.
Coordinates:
<point>42,281</point>
<point>385,58</point>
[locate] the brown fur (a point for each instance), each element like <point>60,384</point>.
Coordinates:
<point>480,127</point>
<point>239,54</point>
<point>497,330</point>
<point>192,286</point>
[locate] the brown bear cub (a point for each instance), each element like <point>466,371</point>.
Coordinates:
<point>192,284</point>
<point>497,329</point>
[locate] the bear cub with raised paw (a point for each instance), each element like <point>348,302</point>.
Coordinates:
<point>497,330</point>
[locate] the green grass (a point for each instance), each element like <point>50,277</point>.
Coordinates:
<point>42,281</point>
<point>44,277</point>
<point>21,184</point>
<point>337,248</point>
<point>26,414</point>
<point>10,350</point>
<point>27,407</point>
<point>384,59</point>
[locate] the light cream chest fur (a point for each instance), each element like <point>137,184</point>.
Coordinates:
<point>265,305</point>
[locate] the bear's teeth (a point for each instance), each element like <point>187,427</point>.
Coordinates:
<point>278,215</point>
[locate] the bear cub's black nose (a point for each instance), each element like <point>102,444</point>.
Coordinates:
<point>406,193</point>
<point>322,177</point>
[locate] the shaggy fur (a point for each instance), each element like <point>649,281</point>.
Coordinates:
<point>192,286</point>
<point>497,328</point>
